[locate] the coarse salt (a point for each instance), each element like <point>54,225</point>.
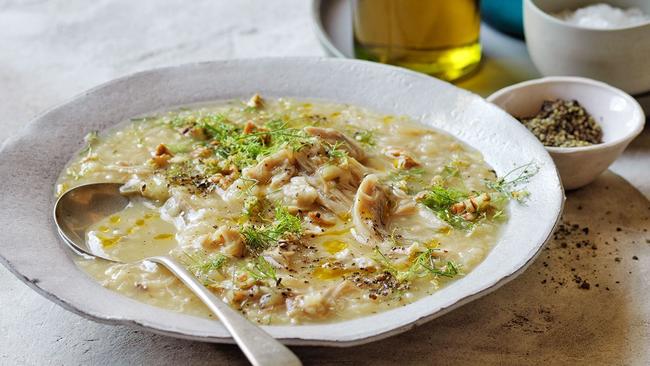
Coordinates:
<point>604,16</point>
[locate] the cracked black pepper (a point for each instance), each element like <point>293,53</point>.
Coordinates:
<point>563,123</point>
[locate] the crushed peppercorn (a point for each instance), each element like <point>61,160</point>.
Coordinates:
<point>563,123</point>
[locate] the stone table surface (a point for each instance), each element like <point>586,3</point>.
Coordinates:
<point>53,50</point>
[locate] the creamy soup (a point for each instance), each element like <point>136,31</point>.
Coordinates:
<point>290,211</point>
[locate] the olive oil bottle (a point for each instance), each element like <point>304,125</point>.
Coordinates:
<point>436,37</point>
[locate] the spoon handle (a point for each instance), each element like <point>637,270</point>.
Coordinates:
<point>258,346</point>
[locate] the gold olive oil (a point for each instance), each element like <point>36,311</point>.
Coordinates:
<point>436,37</point>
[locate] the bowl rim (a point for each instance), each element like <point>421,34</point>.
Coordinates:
<point>320,32</point>
<point>561,22</point>
<point>639,122</point>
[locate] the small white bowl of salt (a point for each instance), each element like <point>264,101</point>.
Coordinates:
<point>603,41</point>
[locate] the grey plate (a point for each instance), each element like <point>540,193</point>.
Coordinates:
<point>32,159</point>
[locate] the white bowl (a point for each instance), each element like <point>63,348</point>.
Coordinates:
<point>620,116</point>
<point>31,161</point>
<point>619,57</point>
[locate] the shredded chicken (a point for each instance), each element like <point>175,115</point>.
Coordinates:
<point>305,178</point>
<point>228,239</point>
<point>316,305</point>
<point>276,169</point>
<point>337,185</point>
<point>334,137</point>
<point>310,158</point>
<point>321,219</point>
<point>283,255</point>
<point>404,205</point>
<point>298,193</point>
<point>371,211</point>
<point>153,187</point>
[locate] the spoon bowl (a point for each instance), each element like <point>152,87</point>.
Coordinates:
<point>79,208</point>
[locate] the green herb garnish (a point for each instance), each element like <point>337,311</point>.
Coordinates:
<point>246,149</point>
<point>179,148</point>
<point>335,152</point>
<point>203,265</point>
<point>261,269</point>
<point>365,137</point>
<point>440,199</point>
<point>285,222</point>
<point>509,184</point>
<point>259,238</point>
<point>423,265</point>
<point>469,209</point>
<point>230,149</point>
<point>452,170</point>
<point>413,174</point>
<point>91,139</point>
<point>408,180</point>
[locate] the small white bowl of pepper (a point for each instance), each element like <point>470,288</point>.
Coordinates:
<point>584,124</point>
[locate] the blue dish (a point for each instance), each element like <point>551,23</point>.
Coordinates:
<point>504,15</point>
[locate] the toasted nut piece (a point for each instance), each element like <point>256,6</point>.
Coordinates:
<point>223,181</point>
<point>239,296</point>
<point>256,101</point>
<point>161,156</point>
<point>469,216</point>
<point>161,150</point>
<point>250,127</point>
<point>403,159</point>
<point>160,161</point>
<point>458,207</point>
<point>202,152</point>
<point>472,205</point>
<point>216,178</point>
<point>420,196</point>
<point>198,133</point>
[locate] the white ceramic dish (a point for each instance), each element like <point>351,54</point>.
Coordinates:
<point>30,162</point>
<point>619,115</point>
<point>616,56</point>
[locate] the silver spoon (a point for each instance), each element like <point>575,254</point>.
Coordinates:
<point>84,205</point>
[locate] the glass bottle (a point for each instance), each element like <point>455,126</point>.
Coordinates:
<point>436,37</point>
